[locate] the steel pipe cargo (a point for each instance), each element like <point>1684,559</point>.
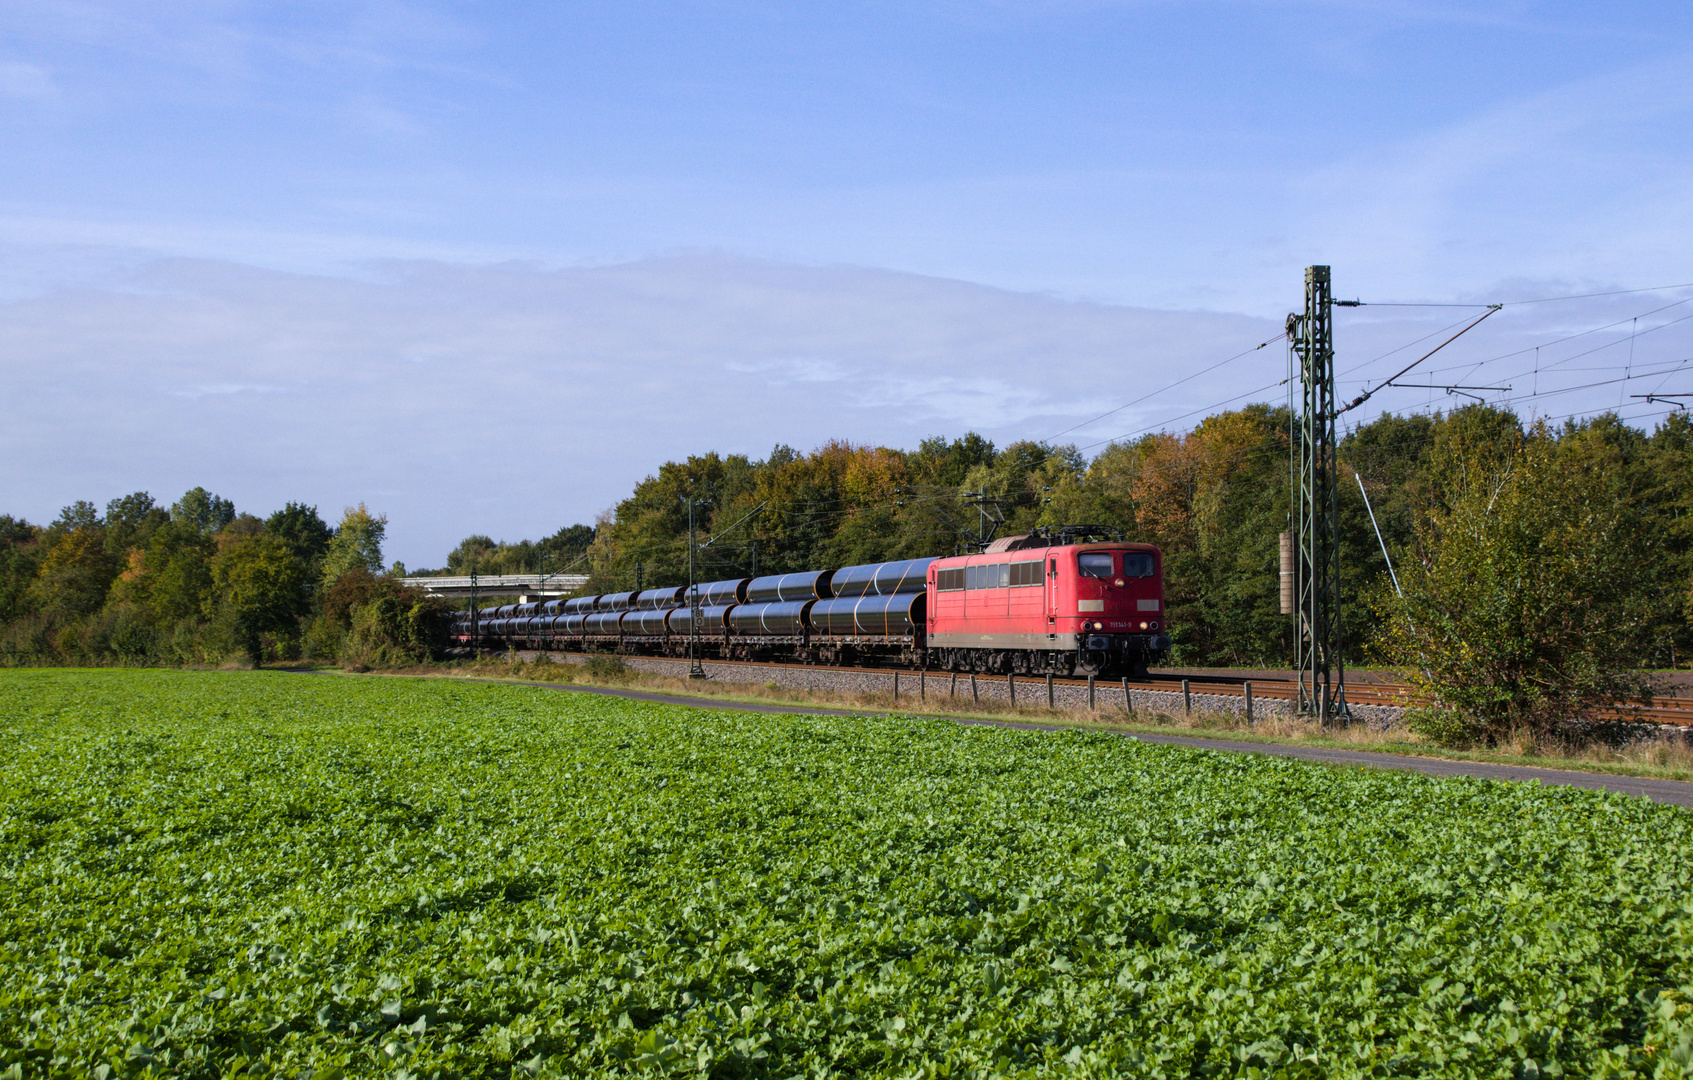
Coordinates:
<point>782,619</point>
<point>617,601</point>
<point>876,616</point>
<point>660,599</point>
<point>713,620</point>
<point>808,585</point>
<point>717,593</point>
<point>604,623</point>
<point>645,623</point>
<point>881,579</point>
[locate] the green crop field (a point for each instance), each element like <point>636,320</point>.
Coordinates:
<point>310,875</point>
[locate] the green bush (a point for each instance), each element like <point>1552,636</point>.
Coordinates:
<point>322,640</point>
<point>606,667</point>
<point>132,638</point>
<point>393,631</point>
<point>26,642</point>
<point>1444,727</point>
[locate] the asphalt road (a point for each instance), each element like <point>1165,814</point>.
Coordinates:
<point>1675,792</point>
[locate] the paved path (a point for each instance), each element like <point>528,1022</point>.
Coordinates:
<point>1676,792</point>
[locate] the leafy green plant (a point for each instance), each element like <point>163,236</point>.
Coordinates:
<point>218,873</point>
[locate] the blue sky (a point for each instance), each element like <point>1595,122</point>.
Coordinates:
<point>274,249</point>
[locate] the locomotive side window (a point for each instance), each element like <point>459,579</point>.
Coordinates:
<point>986,576</point>
<point>1137,564</point>
<point>951,580</point>
<point>1025,573</point>
<point>1095,564</point>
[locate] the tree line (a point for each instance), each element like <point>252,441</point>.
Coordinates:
<point>1215,499</point>
<point>1539,568</point>
<point>1552,558</point>
<point>198,583</point>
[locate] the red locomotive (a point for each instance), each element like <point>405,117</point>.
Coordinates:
<point>1060,601</point>
<point>1027,604</point>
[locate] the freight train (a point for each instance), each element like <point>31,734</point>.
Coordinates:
<point>1057,601</point>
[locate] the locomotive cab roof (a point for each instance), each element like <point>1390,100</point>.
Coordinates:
<point>1091,536</point>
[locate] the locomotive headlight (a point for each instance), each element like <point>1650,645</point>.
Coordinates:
<point>1155,624</point>
<point>1143,624</point>
<point>1119,583</point>
<point>1099,626</point>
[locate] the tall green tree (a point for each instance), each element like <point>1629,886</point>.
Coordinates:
<point>175,580</point>
<point>303,530</point>
<point>20,557</point>
<point>356,545</point>
<point>204,511</point>
<point>130,521</point>
<point>1527,606</point>
<point>263,588</point>
<point>74,575</point>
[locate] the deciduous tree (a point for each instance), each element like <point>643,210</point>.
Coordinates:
<point>203,510</point>
<point>357,544</point>
<point>1526,608</point>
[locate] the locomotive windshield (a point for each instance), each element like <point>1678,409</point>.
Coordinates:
<point>1096,564</point>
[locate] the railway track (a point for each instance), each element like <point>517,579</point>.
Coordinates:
<point>1268,686</point>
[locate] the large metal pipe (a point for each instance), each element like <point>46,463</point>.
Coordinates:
<point>881,579</point>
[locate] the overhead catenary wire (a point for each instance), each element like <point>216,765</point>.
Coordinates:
<point>1366,395</point>
<point>1535,394</point>
<point>1171,386</point>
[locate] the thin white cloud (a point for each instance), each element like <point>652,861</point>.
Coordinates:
<point>513,399</point>
<point>1537,184</point>
<point>509,398</point>
<point>26,82</point>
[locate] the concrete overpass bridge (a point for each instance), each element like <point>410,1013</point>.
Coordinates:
<point>525,586</point>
